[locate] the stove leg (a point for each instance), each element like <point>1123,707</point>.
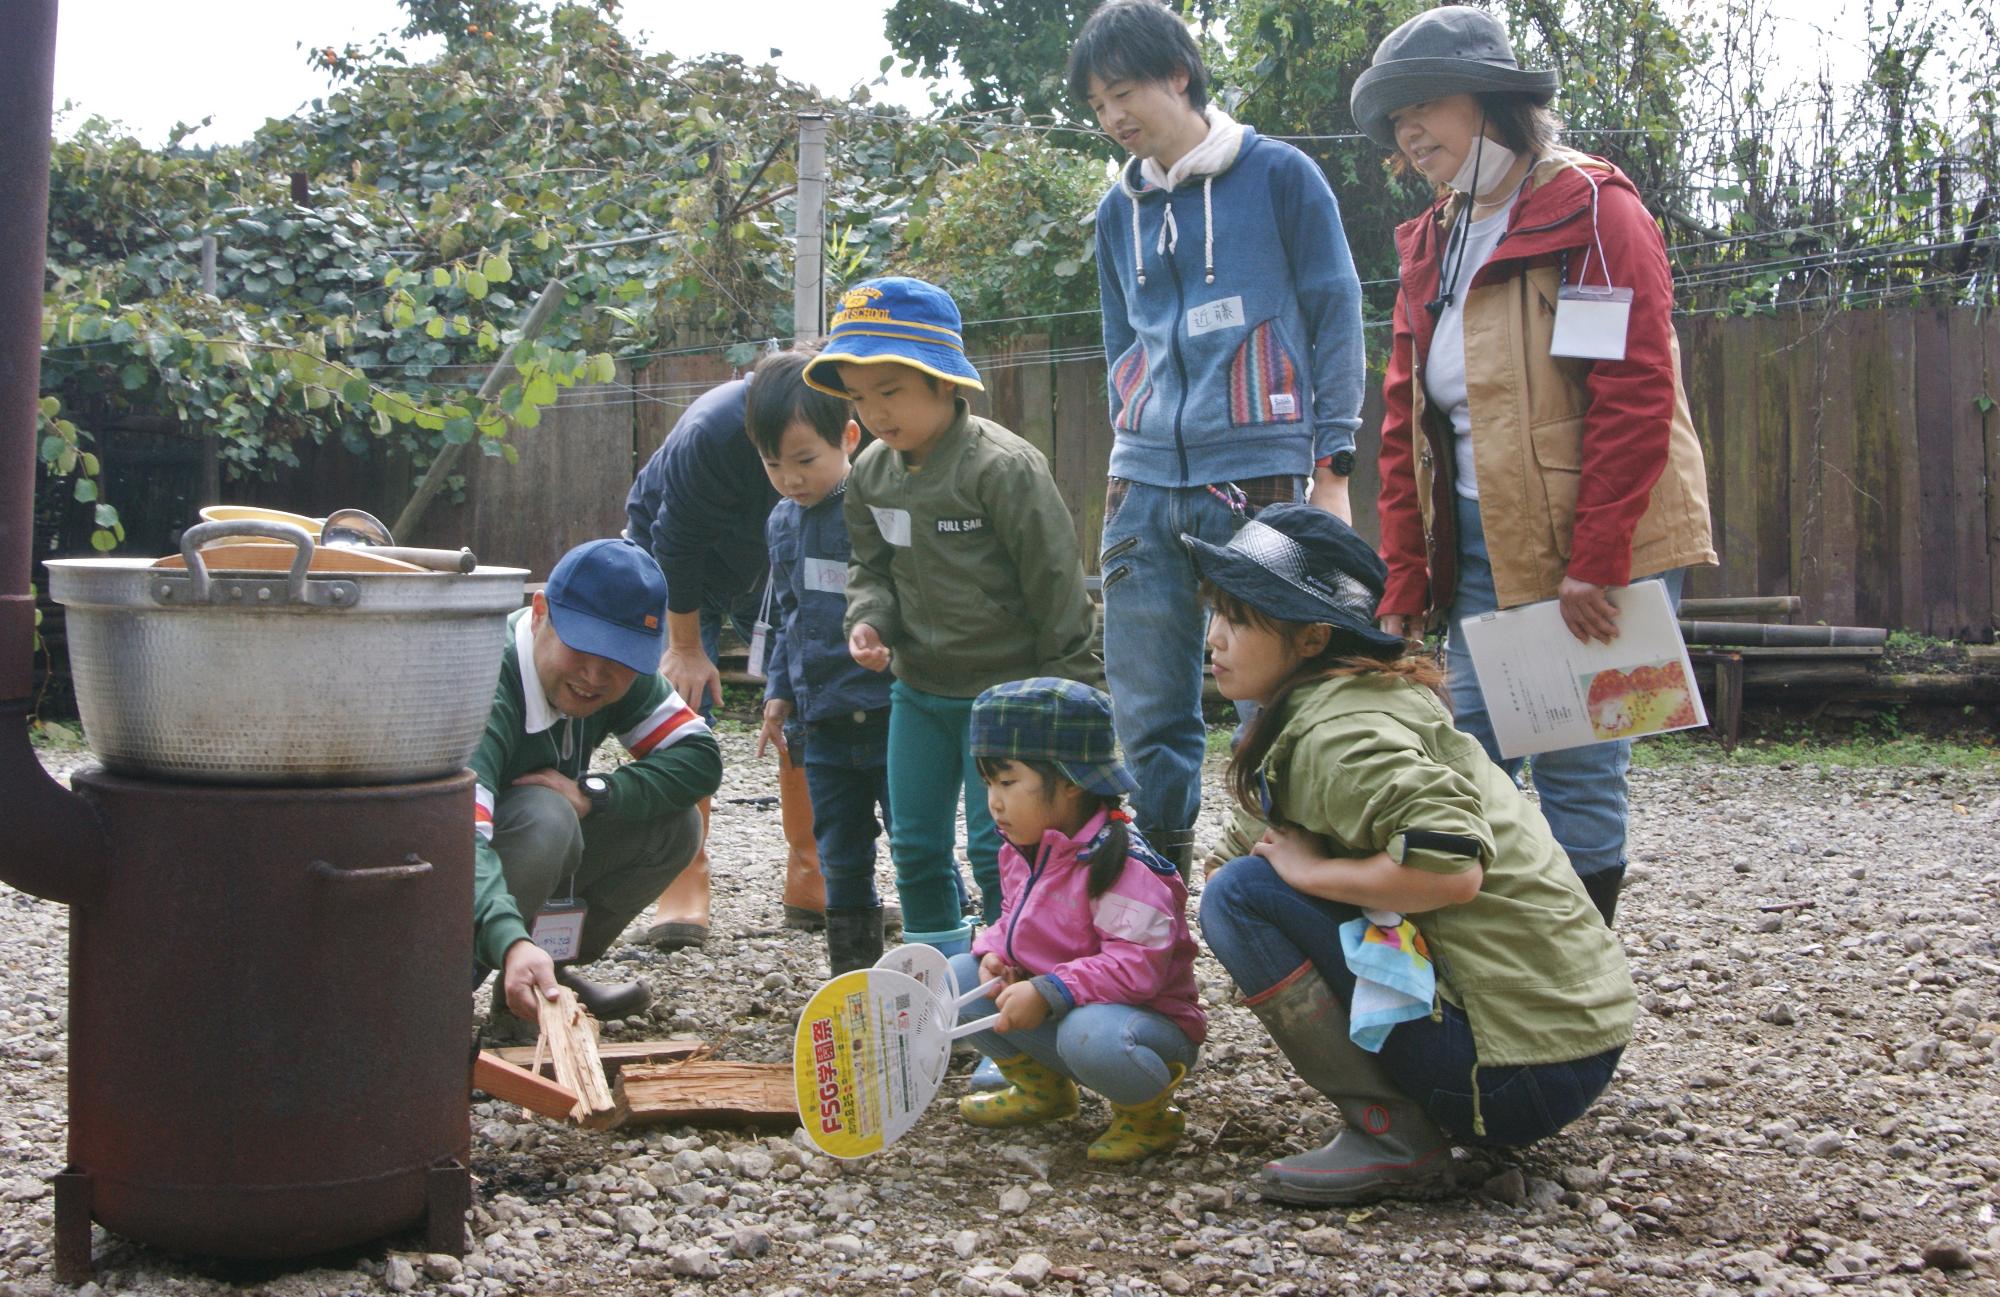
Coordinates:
<point>73,1264</point>
<point>448,1196</point>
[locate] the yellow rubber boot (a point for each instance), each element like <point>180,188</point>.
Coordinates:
<point>1143,1129</point>
<point>1035,1094</point>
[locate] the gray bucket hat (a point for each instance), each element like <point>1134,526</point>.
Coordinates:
<point>1453,50</point>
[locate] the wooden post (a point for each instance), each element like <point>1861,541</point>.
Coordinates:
<point>809,266</point>
<point>496,379</point>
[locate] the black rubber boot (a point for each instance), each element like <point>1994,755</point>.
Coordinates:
<point>1604,887</point>
<point>602,1002</point>
<point>853,939</point>
<point>1177,845</point>
<point>1389,1147</point>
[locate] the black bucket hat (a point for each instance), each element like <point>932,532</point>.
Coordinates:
<point>1453,50</point>
<point>1297,562</point>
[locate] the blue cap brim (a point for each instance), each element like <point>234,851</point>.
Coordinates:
<point>637,649</point>
<point>857,347</point>
<point>1107,779</point>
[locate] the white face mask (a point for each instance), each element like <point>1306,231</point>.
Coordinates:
<point>1484,165</point>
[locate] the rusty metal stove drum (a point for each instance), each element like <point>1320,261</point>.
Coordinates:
<point>268,1019</point>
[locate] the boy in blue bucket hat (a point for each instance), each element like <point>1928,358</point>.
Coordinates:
<point>966,573</point>
<point>564,857</point>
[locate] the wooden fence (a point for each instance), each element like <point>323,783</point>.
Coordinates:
<point>1851,459</point>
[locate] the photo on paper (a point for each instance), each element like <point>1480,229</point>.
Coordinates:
<point>1648,699</point>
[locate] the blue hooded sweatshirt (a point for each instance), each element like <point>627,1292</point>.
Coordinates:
<point>1232,314</point>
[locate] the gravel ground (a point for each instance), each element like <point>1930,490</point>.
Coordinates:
<point>1810,1104</point>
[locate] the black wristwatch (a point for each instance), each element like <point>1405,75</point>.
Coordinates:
<point>598,789</point>
<point>1342,463</point>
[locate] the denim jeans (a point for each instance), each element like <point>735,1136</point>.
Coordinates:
<point>1154,630</point>
<point>1582,790</point>
<point>741,612</point>
<point>1120,1051</point>
<point>1264,932</point>
<point>930,767</point>
<point>847,773</point>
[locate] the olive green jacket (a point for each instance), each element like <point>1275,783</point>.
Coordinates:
<point>1363,759</point>
<point>968,567</point>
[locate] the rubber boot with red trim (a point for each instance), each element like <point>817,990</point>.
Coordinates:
<point>1389,1147</point>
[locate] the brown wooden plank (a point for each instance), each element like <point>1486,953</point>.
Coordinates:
<point>1936,520</point>
<point>569,1036</point>
<point>1736,435</point>
<point>510,1084</point>
<point>1773,457</point>
<point>1701,371</point>
<point>1871,472</point>
<point>1972,487</point>
<point>1083,448</point>
<point>1035,389</point>
<point>1806,533</point>
<point>710,1092</point>
<point>1989,338</point>
<point>613,1054</point>
<point>1905,572</point>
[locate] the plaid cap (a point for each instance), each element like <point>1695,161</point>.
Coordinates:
<point>1054,720</point>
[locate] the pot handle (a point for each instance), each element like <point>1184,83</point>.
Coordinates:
<point>203,533</point>
<point>415,867</point>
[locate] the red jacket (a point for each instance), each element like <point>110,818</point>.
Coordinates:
<point>1589,469</point>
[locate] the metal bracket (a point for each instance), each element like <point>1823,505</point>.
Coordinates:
<point>254,592</point>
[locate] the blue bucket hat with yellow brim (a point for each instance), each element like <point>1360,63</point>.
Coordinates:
<point>894,319</point>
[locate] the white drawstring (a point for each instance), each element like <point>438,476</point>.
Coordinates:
<point>1170,233</point>
<point>1138,251</point>
<point>1208,227</point>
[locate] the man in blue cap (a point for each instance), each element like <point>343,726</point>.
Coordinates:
<point>566,858</point>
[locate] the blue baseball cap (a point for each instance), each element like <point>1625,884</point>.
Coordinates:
<point>609,598</point>
<point>895,319</point>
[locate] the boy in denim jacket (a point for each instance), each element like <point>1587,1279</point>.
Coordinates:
<point>821,707</point>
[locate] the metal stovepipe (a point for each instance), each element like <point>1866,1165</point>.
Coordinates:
<point>54,844</point>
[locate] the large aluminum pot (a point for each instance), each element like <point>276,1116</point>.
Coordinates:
<point>359,678</point>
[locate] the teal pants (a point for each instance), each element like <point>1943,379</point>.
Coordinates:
<point>930,766</point>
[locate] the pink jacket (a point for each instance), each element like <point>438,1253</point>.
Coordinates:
<point>1128,946</point>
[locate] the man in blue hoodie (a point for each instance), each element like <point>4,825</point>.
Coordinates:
<point>1232,327</point>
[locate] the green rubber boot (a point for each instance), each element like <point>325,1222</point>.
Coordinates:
<point>1034,1094</point>
<point>1389,1147</point>
<point>1143,1129</point>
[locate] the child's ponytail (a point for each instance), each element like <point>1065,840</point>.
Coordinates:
<point>1107,860</point>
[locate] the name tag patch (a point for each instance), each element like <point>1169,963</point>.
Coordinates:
<point>1226,313</point>
<point>1283,405</point>
<point>824,575</point>
<point>958,526</point>
<point>894,524</point>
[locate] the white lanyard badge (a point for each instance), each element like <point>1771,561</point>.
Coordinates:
<point>1591,320</point>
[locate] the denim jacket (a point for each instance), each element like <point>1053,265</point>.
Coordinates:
<point>806,660</point>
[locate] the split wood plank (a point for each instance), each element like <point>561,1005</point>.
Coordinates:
<point>517,1085</point>
<point>613,1054</point>
<point>709,1092</point>
<point>569,1038</point>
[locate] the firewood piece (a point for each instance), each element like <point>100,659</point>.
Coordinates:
<point>709,1092</point>
<point>517,1085</point>
<point>570,1036</point>
<point>614,1054</point>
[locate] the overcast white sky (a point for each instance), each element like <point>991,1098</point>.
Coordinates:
<point>150,63</point>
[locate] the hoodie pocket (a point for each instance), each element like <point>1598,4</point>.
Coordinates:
<point>1264,380</point>
<point>1132,384</point>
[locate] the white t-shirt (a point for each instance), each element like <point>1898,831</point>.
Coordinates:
<point>1444,370</point>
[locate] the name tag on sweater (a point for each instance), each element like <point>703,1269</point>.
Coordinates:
<point>1210,316</point>
<point>894,524</point>
<point>824,575</point>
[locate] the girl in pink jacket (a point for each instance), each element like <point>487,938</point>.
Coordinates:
<point>1092,943</point>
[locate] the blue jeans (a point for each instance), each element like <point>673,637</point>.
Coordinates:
<point>847,773</point>
<point>1119,1050</point>
<point>741,612</point>
<point>1582,790</point>
<point>1154,629</point>
<point>930,767</point>
<point>1263,931</point>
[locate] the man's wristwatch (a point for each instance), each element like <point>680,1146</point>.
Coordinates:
<point>1340,463</point>
<point>598,789</point>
